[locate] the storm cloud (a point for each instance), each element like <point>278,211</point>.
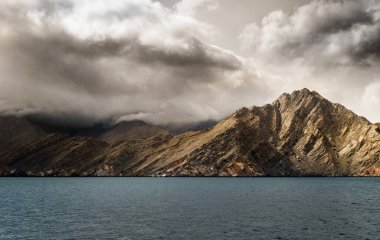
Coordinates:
<point>85,62</point>
<point>338,32</point>
<point>95,61</point>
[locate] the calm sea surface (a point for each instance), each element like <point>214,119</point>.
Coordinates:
<point>189,208</point>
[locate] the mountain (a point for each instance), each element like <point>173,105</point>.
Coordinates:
<point>130,130</point>
<point>300,134</point>
<point>178,128</point>
<point>53,154</point>
<point>3,170</point>
<point>17,130</point>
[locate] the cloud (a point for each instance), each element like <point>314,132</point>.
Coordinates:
<point>371,98</point>
<point>80,62</point>
<point>189,7</point>
<point>339,32</point>
<point>330,46</point>
<point>83,62</point>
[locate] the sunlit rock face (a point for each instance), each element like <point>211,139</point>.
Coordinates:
<point>300,134</point>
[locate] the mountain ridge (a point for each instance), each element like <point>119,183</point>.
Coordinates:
<point>299,134</point>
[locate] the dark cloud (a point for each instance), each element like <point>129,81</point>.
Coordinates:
<point>336,32</point>
<point>84,62</point>
<point>194,54</point>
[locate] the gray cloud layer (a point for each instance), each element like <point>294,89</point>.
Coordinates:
<point>81,62</point>
<point>101,60</point>
<point>342,32</point>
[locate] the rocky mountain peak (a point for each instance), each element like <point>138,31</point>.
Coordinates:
<point>299,99</point>
<point>299,134</point>
<point>310,131</point>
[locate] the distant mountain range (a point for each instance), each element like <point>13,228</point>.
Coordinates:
<point>300,134</point>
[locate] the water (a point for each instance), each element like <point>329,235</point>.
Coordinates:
<point>189,208</point>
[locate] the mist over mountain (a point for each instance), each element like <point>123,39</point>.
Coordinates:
<point>299,134</point>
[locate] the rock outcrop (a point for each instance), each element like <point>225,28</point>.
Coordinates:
<point>300,134</point>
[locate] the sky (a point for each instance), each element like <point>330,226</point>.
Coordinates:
<point>173,61</point>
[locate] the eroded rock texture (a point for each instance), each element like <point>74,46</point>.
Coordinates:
<point>300,134</point>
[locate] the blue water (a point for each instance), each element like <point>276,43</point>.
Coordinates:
<point>189,208</point>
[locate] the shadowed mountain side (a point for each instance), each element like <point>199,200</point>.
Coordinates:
<point>20,131</point>
<point>130,130</point>
<point>54,154</point>
<point>187,127</point>
<point>3,170</point>
<point>300,134</point>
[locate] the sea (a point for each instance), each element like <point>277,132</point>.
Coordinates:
<point>190,208</point>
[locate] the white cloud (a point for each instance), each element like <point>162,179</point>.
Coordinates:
<point>190,7</point>
<point>371,98</point>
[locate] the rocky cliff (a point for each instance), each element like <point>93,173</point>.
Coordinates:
<point>300,134</point>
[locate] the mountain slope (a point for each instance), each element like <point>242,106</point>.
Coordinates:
<point>15,130</point>
<point>130,130</point>
<point>54,154</point>
<point>300,134</point>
